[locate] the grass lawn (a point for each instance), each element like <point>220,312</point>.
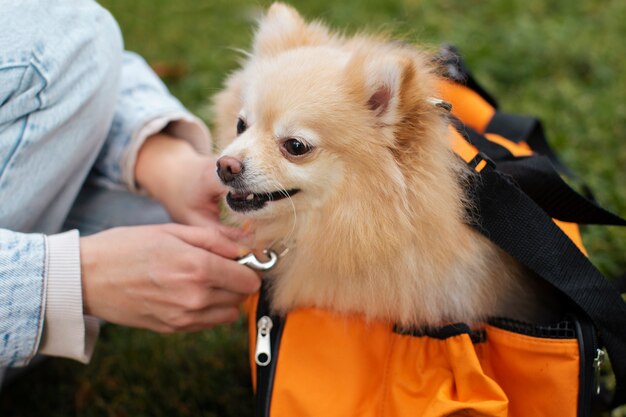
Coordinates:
<point>562,60</point>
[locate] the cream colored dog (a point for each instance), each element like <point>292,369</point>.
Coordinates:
<point>339,154</point>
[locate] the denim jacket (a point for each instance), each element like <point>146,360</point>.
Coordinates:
<point>71,102</point>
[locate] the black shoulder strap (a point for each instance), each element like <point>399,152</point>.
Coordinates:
<point>538,178</point>
<point>536,175</point>
<point>620,283</point>
<point>509,218</point>
<point>520,128</point>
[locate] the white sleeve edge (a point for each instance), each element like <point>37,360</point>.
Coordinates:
<point>66,331</point>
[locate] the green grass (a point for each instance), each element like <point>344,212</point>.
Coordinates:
<point>562,61</point>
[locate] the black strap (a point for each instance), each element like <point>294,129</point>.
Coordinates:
<point>493,150</point>
<point>514,222</point>
<point>519,128</point>
<point>620,283</point>
<point>537,177</point>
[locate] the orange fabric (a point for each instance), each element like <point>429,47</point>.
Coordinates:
<point>539,375</point>
<point>517,149</point>
<point>467,105</point>
<point>335,366</point>
<point>460,146</point>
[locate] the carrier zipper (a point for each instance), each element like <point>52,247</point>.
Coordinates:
<point>263,351</point>
<point>591,358</point>
<point>269,331</point>
<point>597,363</point>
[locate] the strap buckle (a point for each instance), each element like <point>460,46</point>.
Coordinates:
<point>480,161</point>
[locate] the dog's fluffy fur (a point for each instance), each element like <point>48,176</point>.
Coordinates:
<point>379,226</point>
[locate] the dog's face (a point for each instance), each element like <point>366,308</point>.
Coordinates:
<point>284,155</point>
<point>311,116</point>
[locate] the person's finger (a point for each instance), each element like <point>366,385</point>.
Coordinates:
<point>241,236</point>
<point>225,274</point>
<point>215,316</point>
<point>204,298</point>
<point>209,238</point>
<point>206,319</point>
<point>223,298</point>
<point>202,219</point>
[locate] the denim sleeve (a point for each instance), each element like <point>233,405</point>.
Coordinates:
<point>22,283</point>
<point>142,98</point>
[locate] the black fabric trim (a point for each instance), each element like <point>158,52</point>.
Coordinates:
<point>444,332</point>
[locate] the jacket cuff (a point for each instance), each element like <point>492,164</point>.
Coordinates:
<point>23,273</point>
<point>180,125</point>
<point>66,331</point>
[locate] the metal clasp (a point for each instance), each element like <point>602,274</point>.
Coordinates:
<point>251,261</point>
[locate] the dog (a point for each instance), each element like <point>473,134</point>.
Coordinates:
<point>335,149</point>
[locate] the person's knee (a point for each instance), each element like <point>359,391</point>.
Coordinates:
<point>60,64</point>
<point>69,49</point>
<point>87,57</point>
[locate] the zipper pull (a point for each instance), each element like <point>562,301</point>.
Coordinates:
<point>597,362</point>
<point>263,353</point>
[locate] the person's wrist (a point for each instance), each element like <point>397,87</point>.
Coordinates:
<point>162,163</point>
<point>88,265</point>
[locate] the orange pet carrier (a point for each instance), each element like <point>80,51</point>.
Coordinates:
<point>317,363</point>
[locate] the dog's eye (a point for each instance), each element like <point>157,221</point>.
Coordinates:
<point>295,147</point>
<point>241,126</point>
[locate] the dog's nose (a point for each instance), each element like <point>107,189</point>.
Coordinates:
<point>229,168</point>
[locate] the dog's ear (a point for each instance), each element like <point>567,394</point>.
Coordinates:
<point>283,28</point>
<point>382,80</point>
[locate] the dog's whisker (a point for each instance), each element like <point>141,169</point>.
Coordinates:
<point>284,192</point>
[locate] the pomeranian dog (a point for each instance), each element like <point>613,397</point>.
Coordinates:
<point>334,148</point>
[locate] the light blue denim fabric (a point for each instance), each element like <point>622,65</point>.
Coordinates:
<point>70,99</point>
<point>142,97</point>
<point>23,256</point>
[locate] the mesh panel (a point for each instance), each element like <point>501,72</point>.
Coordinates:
<point>562,330</point>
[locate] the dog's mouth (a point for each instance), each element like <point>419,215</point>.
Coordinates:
<point>247,201</point>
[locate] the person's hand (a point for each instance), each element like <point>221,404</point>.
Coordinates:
<point>185,182</point>
<point>164,278</point>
